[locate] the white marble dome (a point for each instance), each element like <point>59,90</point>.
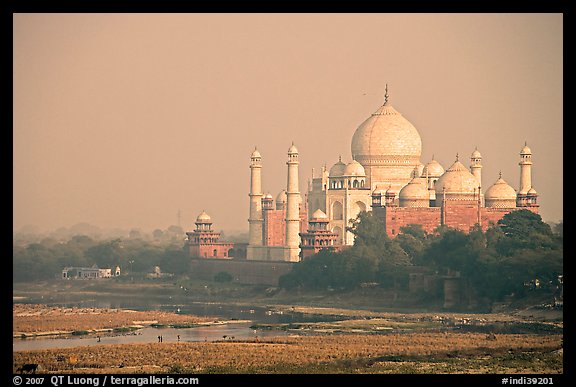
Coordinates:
<point>457,183</point>
<point>500,195</point>
<point>414,194</point>
<point>433,169</point>
<point>354,168</point>
<point>526,150</point>
<point>386,136</point>
<point>337,169</point>
<point>281,197</point>
<point>256,154</point>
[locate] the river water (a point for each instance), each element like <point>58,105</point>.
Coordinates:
<point>238,330</point>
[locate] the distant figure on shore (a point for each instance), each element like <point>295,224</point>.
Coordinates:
<point>98,338</point>
<point>159,338</point>
<point>178,338</point>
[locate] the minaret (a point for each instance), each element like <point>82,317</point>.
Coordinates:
<point>476,170</point>
<point>255,221</point>
<point>527,196</point>
<point>525,169</point>
<point>476,166</point>
<point>292,212</point>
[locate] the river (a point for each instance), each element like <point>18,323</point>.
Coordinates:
<point>238,330</point>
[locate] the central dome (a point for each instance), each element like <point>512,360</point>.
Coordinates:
<point>386,136</point>
<point>388,146</point>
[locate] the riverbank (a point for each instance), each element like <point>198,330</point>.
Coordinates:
<point>120,292</point>
<point>446,352</point>
<point>304,336</point>
<point>31,320</point>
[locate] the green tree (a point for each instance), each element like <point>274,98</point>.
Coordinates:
<point>105,254</point>
<point>175,260</point>
<point>524,229</point>
<point>413,240</point>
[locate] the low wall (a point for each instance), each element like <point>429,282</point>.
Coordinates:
<point>244,272</point>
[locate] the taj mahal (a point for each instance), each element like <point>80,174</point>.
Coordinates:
<point>385,176</point>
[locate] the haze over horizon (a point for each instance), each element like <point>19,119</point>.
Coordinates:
<point>122,120</point>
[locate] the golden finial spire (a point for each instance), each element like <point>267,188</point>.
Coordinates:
<point>386,96</point>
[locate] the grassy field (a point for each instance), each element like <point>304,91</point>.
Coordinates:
<point>386,353</point>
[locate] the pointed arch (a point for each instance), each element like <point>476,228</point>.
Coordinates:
<point>337,211</point>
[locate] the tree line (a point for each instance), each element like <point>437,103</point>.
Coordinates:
<point>497,262</point>
<point>45,259</point>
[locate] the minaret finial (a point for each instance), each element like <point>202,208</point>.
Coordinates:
<point>456,156</point>
<point>340,158</point>
<point>386,96</point>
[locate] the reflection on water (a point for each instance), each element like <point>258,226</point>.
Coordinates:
<point>256,315</point>
<point>148,335</point>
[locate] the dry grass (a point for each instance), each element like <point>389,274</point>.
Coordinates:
<point>35,319</point>
<point>415,352</point>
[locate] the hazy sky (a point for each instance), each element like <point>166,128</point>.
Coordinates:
<point>121,120</point>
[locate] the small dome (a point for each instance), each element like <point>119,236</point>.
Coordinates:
<point>500,195</point>
<point>415,189</point>
<point>476,154</point>
<point>456,180</point>
<point>292,149</point>
<point>532,191</point>
<point>203,218</point>
<point>281,197</point>
<point>526,150</point>
<point>354,168</point>
<point>319,215</point>
<point>432,169</point>
<point>256,154</point>
<point>268,196</point>
<point>337,169</point>
<point>500,191</point>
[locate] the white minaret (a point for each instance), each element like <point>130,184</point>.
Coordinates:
<point>526,196</point>
<point>476,166</point>
<point>292,208</point>
<point>255,221</point>
<point>525,170</point>
<point>476,170</point>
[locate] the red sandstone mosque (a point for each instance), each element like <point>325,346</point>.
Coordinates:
<point>385,176</point>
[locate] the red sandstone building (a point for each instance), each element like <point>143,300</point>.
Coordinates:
<point>204,242</point>
<point>318,237</point>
